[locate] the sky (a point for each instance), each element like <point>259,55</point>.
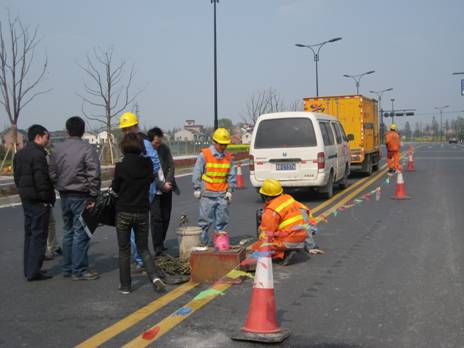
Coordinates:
<point>414,46</point>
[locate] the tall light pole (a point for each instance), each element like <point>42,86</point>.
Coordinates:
<point>316,56</point>
<point>441,108</point>
<point>379,95</point>
<point>357,78</point>
<point>393,110</point>
<point>214,2</point>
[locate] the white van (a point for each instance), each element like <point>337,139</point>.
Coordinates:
<point>300,149</point>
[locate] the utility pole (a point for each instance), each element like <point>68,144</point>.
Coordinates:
<point>214,2</point>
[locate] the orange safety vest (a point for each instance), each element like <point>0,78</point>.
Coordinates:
<point>216,171</point>
<point>290,212</point>
<point>393,141</point>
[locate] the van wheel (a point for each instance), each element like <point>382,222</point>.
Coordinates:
<point>329,188</point>
<point>343,184</point>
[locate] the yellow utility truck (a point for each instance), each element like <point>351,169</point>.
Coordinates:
<point>359,116</point>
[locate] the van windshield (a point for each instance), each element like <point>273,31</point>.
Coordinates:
<point>285,132</point>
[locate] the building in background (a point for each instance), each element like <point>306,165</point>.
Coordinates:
<point>7,138</point>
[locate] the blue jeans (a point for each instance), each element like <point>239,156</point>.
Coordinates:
<point>213,210</point>
<point>75,239</point>
<point>135,255</point>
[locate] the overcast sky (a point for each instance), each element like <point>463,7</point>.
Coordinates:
<point>413,45</point>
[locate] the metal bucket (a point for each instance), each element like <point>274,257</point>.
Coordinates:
<point>188,238</point>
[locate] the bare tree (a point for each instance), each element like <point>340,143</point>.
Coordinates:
<point>263,101</point>
<point>18,88</point>
<point>296,105</point>
<point>107,94</point>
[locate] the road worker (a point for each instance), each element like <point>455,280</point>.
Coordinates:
<point>213,183</point>
<point>286,224</point>
<point>393,143</point>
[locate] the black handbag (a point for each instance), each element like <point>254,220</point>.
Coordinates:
<point>105,208</point>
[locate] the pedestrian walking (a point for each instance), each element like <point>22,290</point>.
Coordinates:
<point>75,168</point>
<point>35,189</point>
<point>161,198</point>
<point>131,182</point>
<point>129,123</point>
<point>213,183</point>
<point>285,224</point>
<point>393,143</point>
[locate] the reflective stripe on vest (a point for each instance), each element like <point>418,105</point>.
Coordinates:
<point>290,221</point>
<point>289,210</point>
<point>216,171</point>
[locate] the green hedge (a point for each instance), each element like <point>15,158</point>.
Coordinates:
<point>233,148</point>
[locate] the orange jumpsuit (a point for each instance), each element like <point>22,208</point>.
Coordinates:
<point>393,142</point>
<point>283,225</point>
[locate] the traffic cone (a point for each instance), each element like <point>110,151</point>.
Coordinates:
<point>411,162</point>
<point>261,324</point>
<point>240,183</point>
<point>400,190</point>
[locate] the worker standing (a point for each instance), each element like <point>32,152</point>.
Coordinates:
<point>213,183</point>
<point>393,143</point>
<point>285,224</point>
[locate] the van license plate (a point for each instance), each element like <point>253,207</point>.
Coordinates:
<point>285,166</point>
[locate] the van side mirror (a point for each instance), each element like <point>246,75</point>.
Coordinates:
<point>350,137</point>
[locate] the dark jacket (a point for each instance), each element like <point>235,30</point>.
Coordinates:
<point>167,163</point>
<point>31,175</point>
<point>132,179</point>
<point>75,168</point>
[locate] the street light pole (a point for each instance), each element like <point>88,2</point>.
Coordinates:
<point>393,110</point>
<point>379,95</point>
<point>441,108</point>
<point>215,69</point>
<point>357,78</point>
<point>316,56</point>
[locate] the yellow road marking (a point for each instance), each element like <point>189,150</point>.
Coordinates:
<point>137,316</point>
<point>171,321</point>
<point>354,193</point>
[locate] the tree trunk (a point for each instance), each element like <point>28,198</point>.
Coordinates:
<point>14,137</point>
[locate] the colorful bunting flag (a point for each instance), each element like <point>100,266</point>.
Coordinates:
<point>235,273</point>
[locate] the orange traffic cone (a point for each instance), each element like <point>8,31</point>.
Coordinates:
<point>261,324</point>
<point>411,162</point>
<point>240,183</point>
<point>400,190</point>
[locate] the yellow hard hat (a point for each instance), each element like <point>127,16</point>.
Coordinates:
<point>128,119</point>
<point>271,187</point>
<point>222,136</point>
<point>393,126</point>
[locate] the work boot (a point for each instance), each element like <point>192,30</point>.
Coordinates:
<point>289,257</point>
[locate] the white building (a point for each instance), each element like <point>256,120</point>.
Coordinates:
<point>90,138</point>
<point>184,135</point>
<point>246,137</point>
<point>102,137</point>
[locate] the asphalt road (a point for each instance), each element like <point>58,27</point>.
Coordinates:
<point>392,275</point>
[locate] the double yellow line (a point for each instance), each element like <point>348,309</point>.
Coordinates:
<point>173,320</point>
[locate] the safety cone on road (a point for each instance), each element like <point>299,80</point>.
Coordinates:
<point>261,324</point>
<point>411,162</point>
<point>400,189</point>
<point>240,183</point>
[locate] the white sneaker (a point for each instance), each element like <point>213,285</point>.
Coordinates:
<point>158,284</point>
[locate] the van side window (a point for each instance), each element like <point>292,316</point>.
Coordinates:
<point>338,135</point>
<point>327,134</point>
<point>343,132</point>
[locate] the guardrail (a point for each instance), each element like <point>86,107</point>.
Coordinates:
<point>181,162</point>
